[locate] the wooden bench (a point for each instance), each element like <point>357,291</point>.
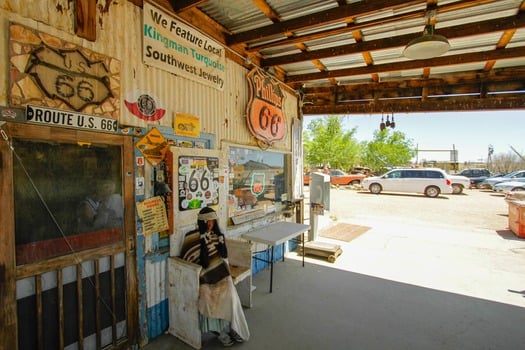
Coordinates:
<point>183,277</point>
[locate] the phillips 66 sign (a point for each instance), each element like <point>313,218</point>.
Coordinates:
<point>264,114</point>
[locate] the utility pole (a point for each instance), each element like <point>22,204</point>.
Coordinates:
<point>489,156</point>
<point>518,153</point>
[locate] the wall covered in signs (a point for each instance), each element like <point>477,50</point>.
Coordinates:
<point>132,92</point>
<point>148,95</point>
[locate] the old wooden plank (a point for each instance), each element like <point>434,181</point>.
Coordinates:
<point>80,308</point>
<point>63,261</point>
<point>39,313</point>
<point>8,316</point>
<point>113,301</point>
<point>98,316</point>
<point>60,290</point>
<point>86,19</point>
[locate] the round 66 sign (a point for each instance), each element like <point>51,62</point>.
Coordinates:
<point>264,114</point>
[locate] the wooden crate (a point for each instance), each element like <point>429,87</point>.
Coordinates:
<point>328,250</point>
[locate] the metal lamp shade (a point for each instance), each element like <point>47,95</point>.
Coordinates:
<point>427,46</point>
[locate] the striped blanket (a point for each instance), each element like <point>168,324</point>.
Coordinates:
<point>203,251</point>
<point>218,299</point>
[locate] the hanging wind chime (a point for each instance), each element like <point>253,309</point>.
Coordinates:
<point>391,124</point>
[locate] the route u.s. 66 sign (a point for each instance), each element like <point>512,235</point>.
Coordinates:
<point>264,114</point>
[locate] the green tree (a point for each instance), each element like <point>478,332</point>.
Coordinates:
<point>388,148</point>
<point>327,143</point>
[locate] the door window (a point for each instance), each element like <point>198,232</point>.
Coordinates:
<point>67,198</point>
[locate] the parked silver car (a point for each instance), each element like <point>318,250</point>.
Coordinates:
<point>504,187</point>
<point>491,181</point>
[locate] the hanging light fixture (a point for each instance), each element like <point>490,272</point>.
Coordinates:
<point>429,45</point>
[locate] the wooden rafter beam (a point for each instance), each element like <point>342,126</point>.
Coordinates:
<point>417,64</point>
<point>480,89</point>
<point>352,26</point>
<point>477,28</point>
<point>416,105</point>
<point>267,10</point>
<point>183,5</point>
<point>498,75</point>
<point>509,81</point>
<point>332,15</point>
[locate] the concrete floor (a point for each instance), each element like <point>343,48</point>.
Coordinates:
<point>395,287</point>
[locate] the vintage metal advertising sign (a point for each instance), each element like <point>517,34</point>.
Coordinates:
<point>70,119</point>
<point>50,72</point>
<point>171,45</point>
<point>187,125</point>
<point>264,114</point>
<point>198,182</point>
<point>144,105</point>
<point>153,146</point>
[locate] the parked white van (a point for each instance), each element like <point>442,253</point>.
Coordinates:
<point>429,181</point>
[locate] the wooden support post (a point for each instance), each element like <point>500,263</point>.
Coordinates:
<point>86,19</point>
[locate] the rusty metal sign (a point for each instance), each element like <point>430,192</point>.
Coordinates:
<point>53,73</point>
<point>69,76</point>
<point>153,146</point>
<point>264,115</point>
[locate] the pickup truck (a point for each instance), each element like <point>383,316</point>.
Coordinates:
<point>459,183</point>
<point>339,177</point>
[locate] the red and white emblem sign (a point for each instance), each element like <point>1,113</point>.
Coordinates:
<point>264,114</point>
<point>144,105</point>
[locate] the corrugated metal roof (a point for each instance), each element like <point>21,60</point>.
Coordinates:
<point>236,16</point>
<point>241,16</point>
<point>289,9</point>
<point>308,40</point>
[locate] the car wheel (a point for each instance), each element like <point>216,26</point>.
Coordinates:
<point>518,189</point>
<point>355,182</point>
<point>375,188</point>
<point>457,189</point>
<point>432,191</point>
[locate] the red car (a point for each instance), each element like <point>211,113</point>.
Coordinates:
<point>339,177</point>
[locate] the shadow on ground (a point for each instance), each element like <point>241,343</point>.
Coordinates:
<point>318,307</point>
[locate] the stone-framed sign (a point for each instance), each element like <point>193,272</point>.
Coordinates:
<point>48,71</point>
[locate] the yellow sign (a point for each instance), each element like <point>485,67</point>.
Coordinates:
<point>152,211</point>
<point>187,125</point>
<point>153,146</point>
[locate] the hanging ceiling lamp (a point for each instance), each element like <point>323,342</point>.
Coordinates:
<point>429,45</point>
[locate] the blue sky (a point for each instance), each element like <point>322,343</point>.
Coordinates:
<point>470,133</point>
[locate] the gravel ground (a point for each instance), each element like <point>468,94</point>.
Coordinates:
<point>474,209</point>
<point>455,243</point>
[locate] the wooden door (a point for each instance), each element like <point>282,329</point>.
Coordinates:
<point>66,283</point>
